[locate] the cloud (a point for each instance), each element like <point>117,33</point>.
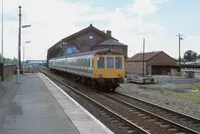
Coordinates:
<point>131,31</point>
<point>190,43</point>
<point>142,7</point>
<point>53,20</point>
<point>159,1</point>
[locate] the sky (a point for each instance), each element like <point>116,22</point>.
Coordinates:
<point>158,21</point>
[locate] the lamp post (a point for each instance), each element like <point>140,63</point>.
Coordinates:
<point>19,46</point>
<point>24,50</point>
<point>24,26</point>
<point>24,53</point>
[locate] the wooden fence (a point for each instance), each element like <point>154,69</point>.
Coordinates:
<point>7,70</point>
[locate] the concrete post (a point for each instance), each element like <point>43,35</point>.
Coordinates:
<point>1,71</point>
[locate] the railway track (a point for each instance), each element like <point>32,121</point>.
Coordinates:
<point>125,126</point>
<point>166,118</point>
<point>131,116</point>
<point>180,118</point>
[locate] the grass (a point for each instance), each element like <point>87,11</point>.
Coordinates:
<point>192,95</point>
<point>196,87</point>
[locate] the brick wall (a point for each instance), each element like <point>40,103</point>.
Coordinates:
<point>84,44</point>
<point>136,67</point>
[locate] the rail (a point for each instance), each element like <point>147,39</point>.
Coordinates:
<point>113,116</point>
<point>171,119</point>
<point>135,117</point>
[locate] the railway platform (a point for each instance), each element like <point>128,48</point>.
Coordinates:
<point>38,106</point>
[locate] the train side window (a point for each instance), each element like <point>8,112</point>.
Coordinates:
<point>92,62</point>
<point>110,62</point>
<point>85,62</point>
<point>81,62</point>
<point>88,62</point>
<point>75,64</point>
<point>118,62</point>
<point>78,62</point>
<point>100,62</point>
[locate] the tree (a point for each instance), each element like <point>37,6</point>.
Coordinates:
<point>198,57</point>
<point>8,60</point>
<point>15,61</point>
<point>190,55</point>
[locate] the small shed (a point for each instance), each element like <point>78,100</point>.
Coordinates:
<point>153,63</point>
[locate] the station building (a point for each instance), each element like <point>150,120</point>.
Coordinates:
<point>88,39</point>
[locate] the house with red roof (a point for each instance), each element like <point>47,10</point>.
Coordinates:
<point>153,63</point>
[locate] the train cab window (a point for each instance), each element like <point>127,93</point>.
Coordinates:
<point>110,62</point>
<point>100,62</point>
<point>118,62</point>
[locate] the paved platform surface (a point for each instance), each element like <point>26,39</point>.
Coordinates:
<point>37,106</point>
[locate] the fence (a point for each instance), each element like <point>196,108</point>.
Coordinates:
<point>7,70</point>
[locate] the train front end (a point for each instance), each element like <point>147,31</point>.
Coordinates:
<point>109,70</point>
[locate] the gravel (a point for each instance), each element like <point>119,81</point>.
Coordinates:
<point>148,94</point>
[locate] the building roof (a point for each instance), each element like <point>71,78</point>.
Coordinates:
<point>89,28</point>
<point>111,42</point>
<point>147,56</point>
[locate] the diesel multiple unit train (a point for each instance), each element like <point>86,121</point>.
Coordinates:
<point>102,69</point>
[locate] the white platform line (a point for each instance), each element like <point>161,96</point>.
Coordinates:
<point>95,119</point>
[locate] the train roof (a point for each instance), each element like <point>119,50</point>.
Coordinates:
<point>101,51</point>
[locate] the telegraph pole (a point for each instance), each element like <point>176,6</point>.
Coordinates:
<point>179,42</point>
<point>19,52</point>
<point>143,57</point>
<point>2,34</point>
